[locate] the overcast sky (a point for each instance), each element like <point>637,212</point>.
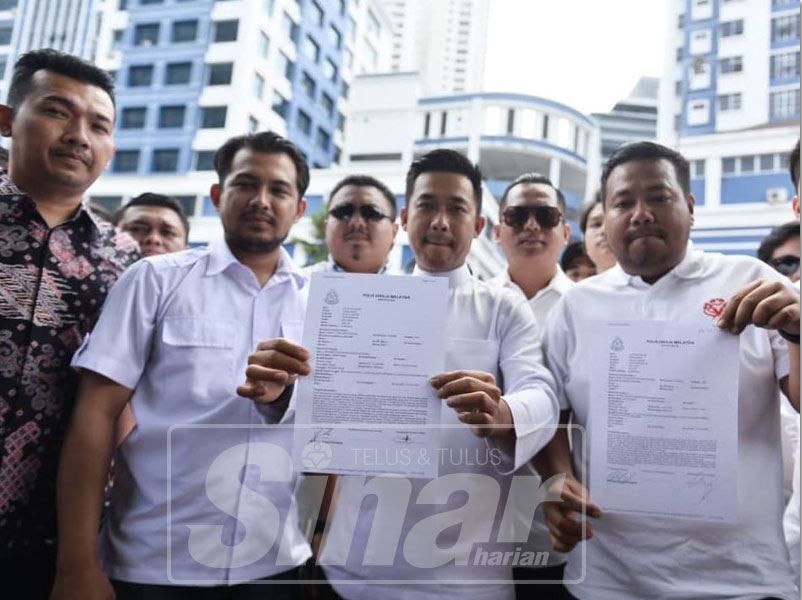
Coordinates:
<point>585,53</point>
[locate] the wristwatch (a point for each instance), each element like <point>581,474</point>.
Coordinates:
<point>789,337</point>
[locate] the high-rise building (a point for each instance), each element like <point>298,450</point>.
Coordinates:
<point>729,101</point>
<point>632,119</point>
<point>444,40</point>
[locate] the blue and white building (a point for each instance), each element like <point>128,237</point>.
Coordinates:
<point>729,101</point>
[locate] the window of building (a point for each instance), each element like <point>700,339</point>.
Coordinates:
<point>284,65</point>
<point>5,35</point>
<point>343,6</point>
<point>747,164</point>
<point>308,85</point>
<point>679,54</point>
<point>185,31</point>
<point>289,27</point>
<point>698,168</point>
<point>311,49</point>
<point>304,122</point>
<point>263,45</point>
<point>133,117</point>
<point>784,104</point>
<point>698,112</point>
<point>109,203</point>
<point>731,28</point>
<point>204,160</point>
<point>253,124</point>
<point>374,27</point>
<point>258,86</point>
<point>345,89</point>
<point>146,34</point>
<point>731,64</point>
<point>226,31</point>
<point>126,161</point>
<point>143,2</point>
<point>351,29</point>
<point>329,70</point>
<point>9,4</point>
<point>335,37</point>
<point>701,9</point>
<point>699,75</point>
<point>317,13</point>
<point>340,121</point>
<point>785,66</point>
<point>701,41</point>
<point>172,116</point>
<point>767,162</point>
<point>187,204</point>
<point>322,139</point>
<point>728,165</point>
<point>280,105</point>
<point>219,73</point>
<point>327,104</point>
<point>213,117</point>
<point>140,75</point>
<point>678,88</point>
<point>164,161</point>
<point>784,29</point>
<point>727,102</point>
<point>3,60</point>
<point>178,73</point>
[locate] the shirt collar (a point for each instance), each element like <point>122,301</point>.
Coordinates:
<point>333,266</point>
<point>221,258</point>
<point>690,267</point>
<point>560,283</point>
<point>455,278</point>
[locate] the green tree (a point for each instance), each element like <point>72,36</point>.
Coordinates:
<point>315,248</point>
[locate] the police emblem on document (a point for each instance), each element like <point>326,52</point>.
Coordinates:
<point>714,307</point>
<point>617,345</point>
<point>332,298</point>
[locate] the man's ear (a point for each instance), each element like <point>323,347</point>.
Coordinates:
<point>795,206</point>
<point>214,194</point>
<point>478,225</point>
<point>300,210</point>
<point>395,229</point>
<point>566,232</point>
<point>497,233</point>
<point>691,203</point>
<point>6,117</point>
<point>404,218</point>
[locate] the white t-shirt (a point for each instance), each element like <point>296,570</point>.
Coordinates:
<point>632,557</point>
<point>490,330</point>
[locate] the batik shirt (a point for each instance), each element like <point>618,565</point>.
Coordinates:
<point>52,285</point>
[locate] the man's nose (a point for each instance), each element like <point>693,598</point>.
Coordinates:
<point>440,221</point>
<point>641,213</point>
<point>77,133</point>
<point>531,223</point>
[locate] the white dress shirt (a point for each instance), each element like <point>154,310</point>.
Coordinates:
<point>632,557</point>
<point>177,329</point>
<point>488,330</point>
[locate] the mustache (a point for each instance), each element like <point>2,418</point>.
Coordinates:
<point>259,215</point>
<point>72,153</point>
<point>644,232</point>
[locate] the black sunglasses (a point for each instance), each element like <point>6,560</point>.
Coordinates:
<point>547,217</point>
<point>787,265</point>
<point>344,212</point>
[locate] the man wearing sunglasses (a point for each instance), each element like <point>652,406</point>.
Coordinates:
<point>780,249</point>
<point>360,227</point>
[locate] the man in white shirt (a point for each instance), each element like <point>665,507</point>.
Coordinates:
<point>173,338</point>
<point>495,385</point>
<point>533,232</point>
<point>360,227</point>
<point>660,277</point>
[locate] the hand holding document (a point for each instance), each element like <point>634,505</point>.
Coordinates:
<point>367,407</point>
<point>664,420</point>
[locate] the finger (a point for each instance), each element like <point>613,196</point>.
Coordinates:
<point>273,359</point>
<point>443,378</point>
<point>284,346</point>
<point>466,385</point>
<point>251,390</point>
<point>471,402</point>
<point>259,374</point>
<point>725,319</point>
<point>745,313</point>
<point>773,305</point>
<point>787,319</point>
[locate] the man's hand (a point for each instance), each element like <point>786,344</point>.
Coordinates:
<point>565,531</point>
<point>89,583</point>
<point>477,400</point>
<point>275,365</point>
<point>763,303</point>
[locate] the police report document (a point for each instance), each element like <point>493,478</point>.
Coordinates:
<point>663,420</point>
<point>368,407</point>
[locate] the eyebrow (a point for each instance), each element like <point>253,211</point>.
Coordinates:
<point>70,105</point>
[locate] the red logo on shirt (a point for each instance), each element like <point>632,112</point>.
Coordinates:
<point>714,307</point>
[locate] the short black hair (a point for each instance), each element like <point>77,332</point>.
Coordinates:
<point>793,165</point>
<point>572,252</point>
<point>776,238</point>
<point>444,160</point>
<point>583,218</point>
<point>268,142</point>
<point>365,181</point>
<point>530,178</point>
<point>57,62</point>
<point>159,200</point>
<point>647,151</point>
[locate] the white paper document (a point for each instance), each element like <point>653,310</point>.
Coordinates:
<point>368,407</point>
<point>663,420</point>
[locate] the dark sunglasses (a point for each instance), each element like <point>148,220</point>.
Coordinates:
<point>546,216</point>
<point>787,265</point>
<point>344,212</point>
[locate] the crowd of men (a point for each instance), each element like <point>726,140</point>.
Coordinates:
<point>112,363</point>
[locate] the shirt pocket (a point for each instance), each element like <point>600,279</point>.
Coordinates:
<point>199,354</point>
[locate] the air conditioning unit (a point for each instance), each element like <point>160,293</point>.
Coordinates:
<point>776,195</point>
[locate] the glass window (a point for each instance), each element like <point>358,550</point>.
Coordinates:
<point>213,117</point>
<point>344,89</point>
<point>126,161</point>
<point>164,161</point>
<point>178,73</point>
<point>172,116</point>
<point>263,45</point>
<point>133,117</point>
<point>728,102</point>
<point>747,164</point>
<point>5,36</point>
<point>146,34</point>
<point>329,70</point>
<point>335,37</point>
<point>728,166</point>
<point>698,168</point>
<point>284,65</point>
<point>370,54</point>
<point>316,13</point>
<point>280,104</point>
<point>288,26</point>
<point>304,122</point>
<point>220,74</point>
<point>187,204</point>
<point>108,203</point>
<point>226,31</point>
<point>785,66</point>
<point>784,104</point>
<point>327,104</point>
<point>311,49</point>
<point>322,139</point>
<point>732,64</point>
<point>258,85</point>
<point>308,85</point>
<point>730,28</point>
<point>767,162</point>
<point>140,75</point>
<point>185,31</point>
<point>784,29</point>
<point>204,160</point>
<point>343,6</point>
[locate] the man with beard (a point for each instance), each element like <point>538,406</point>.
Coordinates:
<point>173,339</point>
<point>360,227</point>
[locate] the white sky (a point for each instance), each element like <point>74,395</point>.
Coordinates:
<point>585,53</point>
